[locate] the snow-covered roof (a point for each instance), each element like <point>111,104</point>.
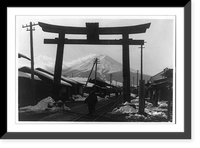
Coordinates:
<point>90,84</point>
<point>82,81</point>
<point>68,80</point>
<point>27,75</point>
<point>115,83</point>
<point>160,75</point>
<point>42,74</point>
<point>62,77</point>
<point>51,77</point>
<point>79,79</point>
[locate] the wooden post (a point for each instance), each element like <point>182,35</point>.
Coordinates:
<point>95,80</point>
<point>151,95</point>
<point>32,64</point>
<point>156,97</point>
<point>142,83</point>
<point>137,78</point>
<point>141,76</point>
<point>58,67</point>
<point>110,79</point>
<point>89,75</point>
<point>32,59</point>
<point>110,84</point>
<point>141,97</point>
<point>169,102</point>
<point>126,67</point>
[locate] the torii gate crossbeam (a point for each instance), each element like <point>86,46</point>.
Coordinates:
<point>92,30</point>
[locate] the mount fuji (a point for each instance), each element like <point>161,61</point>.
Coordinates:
<point>106,67</point>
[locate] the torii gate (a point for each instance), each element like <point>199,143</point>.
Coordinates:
<point>92,30</point>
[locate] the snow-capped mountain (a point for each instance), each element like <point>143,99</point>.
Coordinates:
<point>106,64</point>
<point>106,67</point>
<point>81,67</point>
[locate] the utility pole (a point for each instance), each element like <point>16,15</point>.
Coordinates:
<point>110,83</point>
<point>137,77</point>
<point>90,73</point>
<point>142,83</point>
<point>95,80</point>
<point>141,76</point>
<point>96,61</point>
<point>110,79</point>
<point>31,29</point>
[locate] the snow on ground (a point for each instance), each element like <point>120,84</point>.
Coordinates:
<point>136,117</point>
<point>45,105</point>
<point>124,109</point>
<point>133,95</point>
<point>49,105</point>
<point>130,111</point>
<point>79,97</point>
<point>163,104</point>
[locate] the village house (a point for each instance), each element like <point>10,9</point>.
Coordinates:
<point>83,87</point>
<point>76,86</point>
<point>43,84</point>
<point>160,86</point>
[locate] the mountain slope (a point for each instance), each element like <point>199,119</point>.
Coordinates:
<point>106,67</point>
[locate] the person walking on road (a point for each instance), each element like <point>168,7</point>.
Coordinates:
<point>91,101</point>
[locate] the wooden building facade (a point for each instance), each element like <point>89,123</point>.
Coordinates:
<point>160,86</point>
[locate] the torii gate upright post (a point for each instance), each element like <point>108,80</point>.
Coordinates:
<point>58,65</point>
<point>92,30</point>
<point>126,67</point>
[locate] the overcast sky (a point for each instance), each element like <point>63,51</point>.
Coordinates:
<point>158,51</point>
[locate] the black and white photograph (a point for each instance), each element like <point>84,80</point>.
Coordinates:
<point>95,68</point>
<point>98,73</point>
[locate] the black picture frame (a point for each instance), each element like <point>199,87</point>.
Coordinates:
<point>129,135</point>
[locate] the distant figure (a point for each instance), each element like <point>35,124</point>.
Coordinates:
<point>91,101</point>
<point>116,93</point>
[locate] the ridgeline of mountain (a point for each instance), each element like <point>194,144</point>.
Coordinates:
<point>106,66</point>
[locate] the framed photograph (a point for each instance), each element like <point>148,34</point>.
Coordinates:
<point>99,72</point>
